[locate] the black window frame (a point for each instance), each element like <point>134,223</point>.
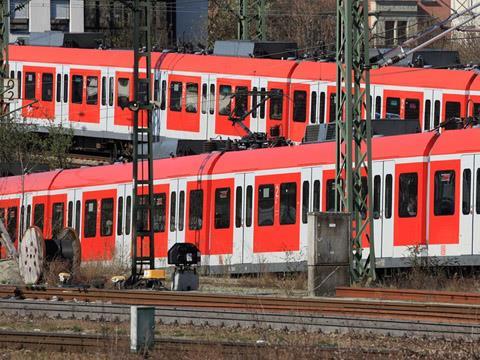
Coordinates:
<point>30,85</point>
<point>452,109</point>
<point>222,208</point>
<point>241,101</point>
<point>120,216</point>
<point>222,99</point>
<point>65,88</point>
<point>266,205</point>
<point>305,200</point>
<point>392,108</point>
<point>70,214</point>
<point>58,217</point>
<point>39,215</point>
<point>377,196</point>
<point>436,113</point>
<point>77,89</point>
<point>299,106</point>
<point>466,191</point>
<point>159,212</point>
<point>427,114</point>
<point>173,213</point>
<point>175,101</point>
<point>321,112</point>
<point>12,220</point>
<point>378,107</point>
<point>411,114</point>
<point>104,90</point>
<point>78,211</point>
<point>276,104</point>
<point>195,209</point>
<point>58,91</point>
<point>249,206</point>
<point>90,219</point>
<point>191,107</point>
<point>47,87</point>
<point>444,193</point>
<point>181,210</point>
<point>238,206</point>
<point>92,99</point>
<point>313,107</point>
<point>407,199</point>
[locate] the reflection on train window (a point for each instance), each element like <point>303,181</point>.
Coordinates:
<point>444,193</point>
<point>426,115</point>
<point>436,113</point>
<point>452,109</point>
<point>376,196</point>
<point>175,96</point>
<point>316,195</point>
<point>70,214</point>
<point>288,203</point>
<point>204,103</point>
<point>191,98</point>
<point>412,109</point>
<point>12,222</point>
<point>266,200</point>
<point>123,91</point>
<point>92,90</point>
<point>181,210</point>
<point>299,106</point>
<point>173,207</point>
<point>59,88</point>
<point>408,195</point>
<point>90,219</point>
<point>477,199</point>
<point>330,193</point>
<point>222,208</point>
<point>238,207</point>
<point>159,212</point>
<point>313,108</point>
<point>57,218</point>
<point>38,215</point>
<point>276,104</point>
<point>224,100</point>
<point>77,89</point>
<point>305,200</point>
<point>106,217</point>
<point>393,108</point>
<point>120,216</point>
<point>467,191</point>
<point>195,209</point>
<point>249,206</point>
<point>241,101</point>
<point>388,196</point>
<point>78,209</point>
<point>30,85</point>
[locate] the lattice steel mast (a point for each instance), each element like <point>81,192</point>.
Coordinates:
<point>251,12</point>
<point>353,131</point>
<point>4,53</point>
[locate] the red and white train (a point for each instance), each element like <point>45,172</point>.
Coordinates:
<point>83,88</point>
<point>247,210</point>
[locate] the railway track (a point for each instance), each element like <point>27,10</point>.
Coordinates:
<point>366,308</point>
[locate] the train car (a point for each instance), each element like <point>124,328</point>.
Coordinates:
<point>247,210</point>
<point>194,94</point>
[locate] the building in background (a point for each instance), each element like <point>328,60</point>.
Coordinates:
<point>45,15</point>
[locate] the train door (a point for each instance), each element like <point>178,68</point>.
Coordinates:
<point>387,199</point>
<point>162,103</point>
<point>204,107</point>
<point>311,198</point>
<point>58,94</point>
<point>432,109</point>
<point>39,91</point>
<point>378,182</point>
<point>376,102</point>
<point>124,223</point>
<point>208,105</point>
<point>258,123</point>
<point>243,224</point>
<point>176,227</point>
<point>313,112</point>
<point>26,219</point>
<point>104,98</point>
<point>469,240</point>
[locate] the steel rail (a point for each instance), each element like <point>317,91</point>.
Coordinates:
<point>448,313</point>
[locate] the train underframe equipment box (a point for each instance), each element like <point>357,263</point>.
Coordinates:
<point>185,257</point>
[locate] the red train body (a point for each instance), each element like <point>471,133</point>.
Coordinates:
<point>246,210</point>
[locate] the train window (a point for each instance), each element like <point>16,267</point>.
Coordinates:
<point>92,90</point>
<point>106,217</point>
<point>57,218</point>
<point>181,210</point>
<point>65,88</point>
<point>90,221</point>
<point>142,213</point>
<point>77,216</point>
<point>266,201</point>
<point>388,196</point>
<point>436,113</point>
<point>477,199</point>
<point>299,106</point>
<point>156,89</point>
<point>412,109</point>
<point>191,98</point>
<point>70,214</point>
<point>30,85</point>
<point>47,87</point>
<point>248,206</point>
<point>276,104</point>
<point>305,200</point>
<point>476,110</point>
<point>407,195</point>
<point>104,90</point>
<point>378,107</point>
<point>377,187</point>
<point>467,191</point>
<point>163,99</point>
<point>204,98</point>
<point>238,207</point>
<point>316,195</point>
<point>123,90</point>
<point>159,211</point>
<point>12,222</point>
<point>313,108</point>
<point>195,210</point>
<point>22,222</point>
<point>241,101</point>
<point>59,88</point>
<point>175,96</point>
<point>222,208</point>
<point>120,216</point>
<point>111,87</point>
<point>128,215</point>
<point>38,215</point>
<point>224,100</point>
<point>262,103</point>
<point>330,193</point>
<point>173,206</point>
<point>322,108</point>
<point>254,102</point>
<point>19,78</point>
<point>212,99</point>
<point>452,109</point>
<point>12,74</point>
<point>426,115</point>
<point>393,108</point>
<point>77,89</point>
<point>363,209</point>
<point>29,211</point>
<point>444,193</point>
<point>333,109</point>
<point>288,203</point>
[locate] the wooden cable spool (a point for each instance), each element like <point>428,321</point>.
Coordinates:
<point>31,258</point>
<point>69,248</point>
